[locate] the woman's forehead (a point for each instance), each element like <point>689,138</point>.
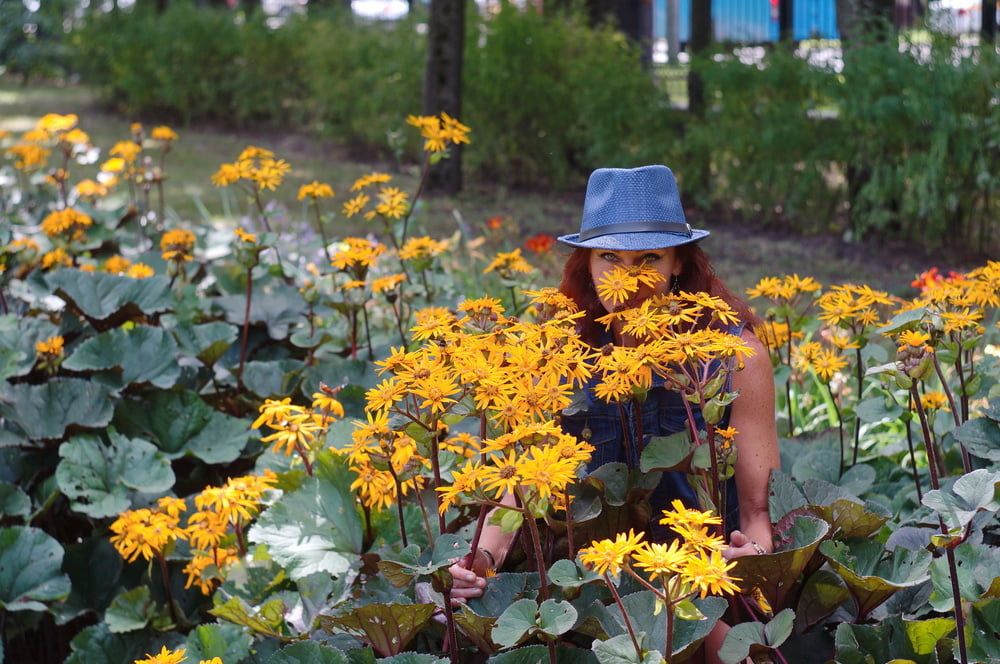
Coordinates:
<point>625,253</point>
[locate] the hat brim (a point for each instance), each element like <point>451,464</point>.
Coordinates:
<point>634,241</point>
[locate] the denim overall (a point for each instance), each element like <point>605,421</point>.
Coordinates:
<point>663,413</point>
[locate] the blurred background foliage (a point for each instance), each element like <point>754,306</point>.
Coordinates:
<point>899,139</point>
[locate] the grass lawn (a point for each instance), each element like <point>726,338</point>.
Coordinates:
<point>743,252</point>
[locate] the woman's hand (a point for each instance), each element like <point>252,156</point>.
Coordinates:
<point>740,545</point>
<point>467,583</point>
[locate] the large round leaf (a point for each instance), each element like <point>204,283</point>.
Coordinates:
<point>108,300</point>
<point>873,574</point>
<point>182,423</point>
<point>144,354</point>
<point>231,643</point>
<point>45,411</point>
<point>18,336</point>
<point>307,652</point>
<point>315,528</point>
<point>775,574</point>
<point>98,645</point>
<point>98,477</point>
<point>13,501</point>
<point>30,570</point>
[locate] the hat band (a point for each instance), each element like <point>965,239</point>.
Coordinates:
<point>636,227</point>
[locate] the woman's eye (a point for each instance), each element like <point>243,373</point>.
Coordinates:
<point>609,257</point>
<point>650,258</point>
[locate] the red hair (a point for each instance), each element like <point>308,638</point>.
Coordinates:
<point>697,275</point>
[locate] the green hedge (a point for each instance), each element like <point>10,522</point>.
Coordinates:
<point>550,98</point>
<point>897,145</point>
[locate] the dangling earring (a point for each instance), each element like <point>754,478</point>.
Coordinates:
<point>675,284</point>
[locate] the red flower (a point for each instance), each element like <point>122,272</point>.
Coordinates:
<point>540,244</point>
<point>494,223</point>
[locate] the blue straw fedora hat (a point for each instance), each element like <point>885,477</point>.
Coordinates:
<point>633,209</point>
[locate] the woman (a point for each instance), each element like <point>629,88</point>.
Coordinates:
<point>632,217</point>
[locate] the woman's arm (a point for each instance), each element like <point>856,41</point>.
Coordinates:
<point>756,442</point>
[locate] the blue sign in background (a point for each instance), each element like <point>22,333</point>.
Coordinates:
<point>754,20</point>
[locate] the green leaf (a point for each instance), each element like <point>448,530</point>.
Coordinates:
<point>516,623</point>
<point>969,494</point>
<point>45,411</point>
<point>892,640</point>
<point>983,631</point>
<point>306,652</point>
<point>98,477</point>
<point>230,643</point>
<point>130,610</point>
<point>98,645</point>
<point>408,567</point>
<point>144,354</point>
<point>874,574</point>
<point>30,569</point>
<point>556,617</point>
<point>785,496</point>
<point>315,528</point>
<point>822,593</point>
<point>906,320</point>
<point>817,464</point>
<point>754,637</point>
<point>272,379</point>
<point>502,591</point>
<point>878,409</point>
<point>540,655</point>
<point>775,574</point>
<point>109,299</point>
<point>267,619</point>
<point>208,342</point>
<point>387,627</point>
<point>641,608</point>
<point>981,437</point>
<point>568,574</point>
<point>977,566</point>
<point>18,336</point>
<point>13,501</point>
<point>621,650</point>
<point>413,658</point>
<point>277,309</point>
<point>181,423</point>
<point>667,453</point>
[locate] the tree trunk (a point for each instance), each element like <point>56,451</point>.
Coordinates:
<point>701,38</point>
<point>443,83</point>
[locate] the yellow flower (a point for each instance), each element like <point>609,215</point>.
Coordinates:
<point>315,190</point>
<point>270,173</point>
<point>239,498</point>
<point>145,533</point>
<point>139,271</point>
<point>661,560</point>
<point>204,570</point>
<point>502,477</point>
<point>127,150</point>
<point>546,471</point>
<point>59,222</point>
<point>826,363</point>
<point>417,248</point>
<point>226,175</point>
<point>681,515</point>
<point>934,401</point>
<point>113,165</point>
<point>117,264</point>
<point>163,134</point>
<point>355,205</point>
<point>387,283</point>
<point>56,258</point>
<point>392,203</point>
<point>293,432</point>
<point>164,657</point>
<point>76,137</point>
<point>955,321</point>
<point>708,573</point>
<point>617,285</point>
<point>28,156</point>
<point>436,392</point>
<point>53,346</point>
<point>91,189</point>
<point>177,245</point>
<point>608,556</point>
<point>913,338</point>
<point>249,238</point>
<point>251,152</point>
<point>370,179</point>
<point>508,262</point>
<point>54,123</point>
<point>326,405</point>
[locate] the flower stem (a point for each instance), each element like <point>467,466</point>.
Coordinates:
<point>399,503</point>
<point>949,552</point>
<point>246,328</point>
<point>166,586</point>
<point>322,229</point>
<point>966,461</point>
<point>840,429</point>
<point>305,458</point>
<point>628,622</point>
<point>857,420</point>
